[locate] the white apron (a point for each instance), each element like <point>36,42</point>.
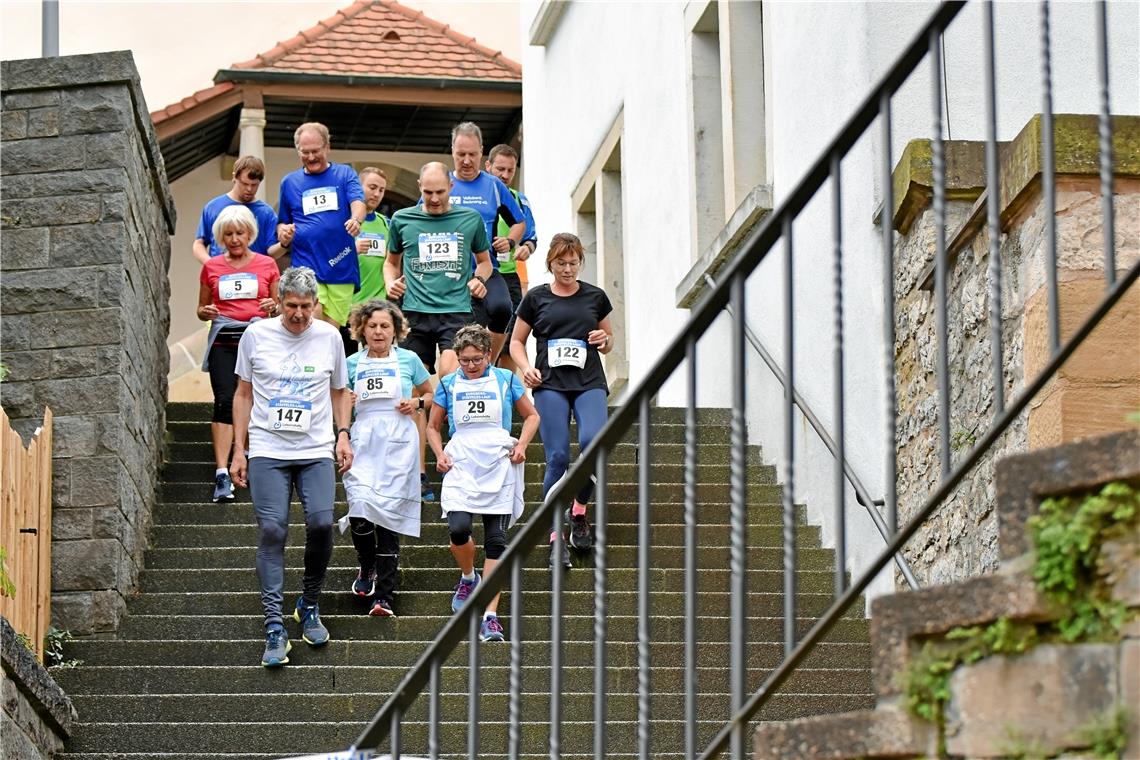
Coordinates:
<point>482,479</point>
<point>383,484</point>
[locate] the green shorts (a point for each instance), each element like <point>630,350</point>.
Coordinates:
<point>336,300</point>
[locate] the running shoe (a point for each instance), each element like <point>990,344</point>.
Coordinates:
<point>365,583</point>
<point>277,647</point>
<point>427,492</point>
<point>463,591</point>
<point>491,630</point>
<point>381,608</point>
<point>223,488</point>
<point>312,630</point>
<point>581,534</point>
<point>565,556</point>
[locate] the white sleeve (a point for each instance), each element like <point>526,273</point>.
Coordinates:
<point>244,368</point>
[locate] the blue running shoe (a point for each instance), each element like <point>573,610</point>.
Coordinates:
<point>223,488</point>
<point>463,590</point>
<point>491,630</point>
<point>312,630</point>
<point>277,648</point>
<point>427,493</point>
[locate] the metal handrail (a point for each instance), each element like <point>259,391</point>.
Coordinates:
<point>861,494</point>
<point>728,294</point>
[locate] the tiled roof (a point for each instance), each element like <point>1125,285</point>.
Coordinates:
<point>198,98</point>
<point>383,38</point>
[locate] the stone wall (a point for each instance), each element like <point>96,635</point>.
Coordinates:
<point>84,251</point>
<point>37,715</point>
<point>1093,391</point>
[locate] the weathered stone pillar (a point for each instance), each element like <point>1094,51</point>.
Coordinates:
<point>252,128</point>
<point>87,218</point>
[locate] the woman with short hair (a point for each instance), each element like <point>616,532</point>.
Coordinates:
<point>237,288</point>
<point>383,488</point>
<point>571,325</point>
<point>482,463</point>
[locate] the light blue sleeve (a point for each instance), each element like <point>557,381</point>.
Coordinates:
<point>352,362</point>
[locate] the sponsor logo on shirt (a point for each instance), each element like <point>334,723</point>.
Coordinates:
<point>340,256</point>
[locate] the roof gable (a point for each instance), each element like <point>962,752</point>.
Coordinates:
<point>382,38</point>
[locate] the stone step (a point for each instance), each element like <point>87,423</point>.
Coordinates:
<point>200,411</point>
<point>302,677</point>
<point>445,578</point>
<point>427,556</point>
<point>296,737</point>
<point>617,492</point>
<point>176,708</point>
<point>831,654</point>
<point>623,453</point>
<point>760,536</point>
<point>222,614</point>
<point>659,472</point>
<point>241,512</point>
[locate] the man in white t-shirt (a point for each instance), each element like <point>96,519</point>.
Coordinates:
<point>292,380</point>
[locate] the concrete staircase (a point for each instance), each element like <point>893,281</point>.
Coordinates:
<point>183,677</point>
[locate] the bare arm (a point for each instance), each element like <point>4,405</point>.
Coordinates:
<point>342,418</point>
<point>532,378</point>
<point>442,460</point>
<point>206,309</point>
<point>483,270</point>
<point>243,406</point>
<point>525,407</point>
<point>603,337</point>
<point>201,252</point>
<point>394,274</point>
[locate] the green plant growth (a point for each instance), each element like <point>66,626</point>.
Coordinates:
<point>1068,534</point>
<point>7,588</point>
<point>54,642</point>
<point>1107,736</point>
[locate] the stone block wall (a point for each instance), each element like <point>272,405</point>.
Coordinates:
<point>37,715</point>
<point>84,250</point>
<point>1092,393</point>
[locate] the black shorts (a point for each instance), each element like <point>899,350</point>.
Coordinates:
<point>514,287</point>
<point>494,310</point>
<point>430,331</point>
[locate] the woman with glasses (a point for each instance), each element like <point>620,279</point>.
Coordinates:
<point>482,463</point>
<point>390,385</point>
<point>571,325</point>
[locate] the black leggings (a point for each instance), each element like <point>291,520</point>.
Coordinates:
<point>379,548</point>
<point>494,310</point>
<point>223,380</point>
<point>494,532</point>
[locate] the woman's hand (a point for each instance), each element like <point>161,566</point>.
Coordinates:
<point>443,462</point>
<point>268,305</point>
<point>208,312</point>
<point>532,378</point>
<point>598,338</point>
<point>518,454</point>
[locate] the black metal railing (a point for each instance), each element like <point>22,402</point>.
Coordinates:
<point>728,294</point>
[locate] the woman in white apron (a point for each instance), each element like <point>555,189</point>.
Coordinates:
<point>383,486</point>
<point>482,463</point>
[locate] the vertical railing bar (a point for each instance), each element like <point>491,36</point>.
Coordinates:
<point>558,573</point>
<point>473,700</point>
<point>738,596</point>
<point>789,444</point>
<point>395,740</point>
<point>601,559</point>
<point>691,551</point>
<point>886,221</point>
<point>643,557</point>
<point>841,458</point>
<point>993,205</point>
<point>938,161</point>
<point>1104,124</point>
<point>514,728</point>
<point>433,710</point>
<point>1049,183</point>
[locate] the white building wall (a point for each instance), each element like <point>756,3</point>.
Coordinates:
<point>820,62</point>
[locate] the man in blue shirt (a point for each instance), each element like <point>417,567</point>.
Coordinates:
<point>249,171</point>
<point>320,208</point>
<point>486,193</point>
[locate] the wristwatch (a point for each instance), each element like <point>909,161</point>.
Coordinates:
<point>513,244</point>
<point>421,402</point>
<point>481,278</point>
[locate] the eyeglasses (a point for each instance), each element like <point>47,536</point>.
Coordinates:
<point>562,264</point>
<point>472,361</point>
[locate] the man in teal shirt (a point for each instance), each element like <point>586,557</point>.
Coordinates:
<point>429,264</point>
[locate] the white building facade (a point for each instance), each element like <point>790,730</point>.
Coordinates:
<point>654,130</point>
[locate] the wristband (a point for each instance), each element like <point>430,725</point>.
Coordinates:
<point>481,278</point>
<point>343,430</point>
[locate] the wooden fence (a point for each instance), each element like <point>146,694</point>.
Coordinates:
<point>25,530</point>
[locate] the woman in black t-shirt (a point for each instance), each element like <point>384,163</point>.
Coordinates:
<point>571,325</point>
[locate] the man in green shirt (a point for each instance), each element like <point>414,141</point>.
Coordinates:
<point>372,242</point>
<point>429,264</point>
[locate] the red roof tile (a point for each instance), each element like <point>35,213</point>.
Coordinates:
<point>201,96</point>
<point>357,41</point>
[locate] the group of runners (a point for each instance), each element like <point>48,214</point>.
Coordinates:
<point>433,291</point>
